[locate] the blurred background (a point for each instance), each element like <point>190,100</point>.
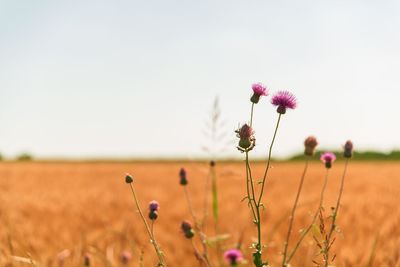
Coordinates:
<point>138,79</point>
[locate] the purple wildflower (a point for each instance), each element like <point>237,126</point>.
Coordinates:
<point>328,158</point>
<point>258,90</point>
<point>153,207</point>
<point>348,149</point>
<point>233,256</point>
<point>284,100</point>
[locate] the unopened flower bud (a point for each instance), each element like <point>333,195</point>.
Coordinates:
<point>86,260</point>
<point>153,215</point>
<point>212,163</point>
<point>126,256</point>
<point>187,229</point>
<point>183,177</point>
<point>128,179</point>
<point>309,145</point>
<point>348,149</point>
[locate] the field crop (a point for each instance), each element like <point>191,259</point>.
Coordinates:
<point>55,213</point>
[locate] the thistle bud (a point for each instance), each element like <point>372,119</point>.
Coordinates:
<point>86,260</point>
<point>309,145</point>
<point>153,215</point>
<point>128,179</point>
<point>187,229</point>
<point>348,149</point>
<point>183,177</point>
<point>126,256</point>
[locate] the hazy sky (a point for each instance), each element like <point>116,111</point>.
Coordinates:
<point>138,78</point>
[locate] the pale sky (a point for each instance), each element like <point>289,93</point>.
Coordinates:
<point>138,78</point>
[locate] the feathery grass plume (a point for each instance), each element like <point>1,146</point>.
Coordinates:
<point>197,225</point>
<point>233,257</point>
<point>217,143</point>
<point>258,90</point>
<point>160,255</point>
<point>330,157</point>
<point>348,152</point>
<point>309,148</point>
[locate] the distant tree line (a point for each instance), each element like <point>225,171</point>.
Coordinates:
<point>363,155</point>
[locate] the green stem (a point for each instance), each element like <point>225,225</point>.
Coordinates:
<point>251,115</point>
<point>269,160</point>
<point>335,212</point>
<point>152,239</point>
<point>305,232</point>
<point>293,213</point>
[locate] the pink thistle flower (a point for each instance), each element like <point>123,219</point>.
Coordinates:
<point>348,149</point>
<point>328,158</point>
<point>258,90</point>
<point>233,256</point>
<point>126,256</point>
<point>284,100</point>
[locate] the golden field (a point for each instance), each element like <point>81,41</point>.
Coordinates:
<point>76,208</point>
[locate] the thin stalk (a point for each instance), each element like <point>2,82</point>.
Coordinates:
<point>199,255</point>
<point>269,160</point>
<point>293,213</point>
<point>305,232</point>
<point>251,115</point>
<point>250,194</point>
<point>152,239</point>
<point>335,213</point>
<point>197,226</point>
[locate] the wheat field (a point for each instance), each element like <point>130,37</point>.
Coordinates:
<point>54,213</point>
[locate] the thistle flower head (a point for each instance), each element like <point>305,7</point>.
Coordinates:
<point>284,100</point>
<point>183,177</point>
<point>328,158</point>
<point>309,145</point>
<point>187,229</point>
<point>233,256</point>
<point>246,138</point>
<point>154,206</point>
<point>348,149</point>
<point>126,256</point>
<point>258,90</point>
